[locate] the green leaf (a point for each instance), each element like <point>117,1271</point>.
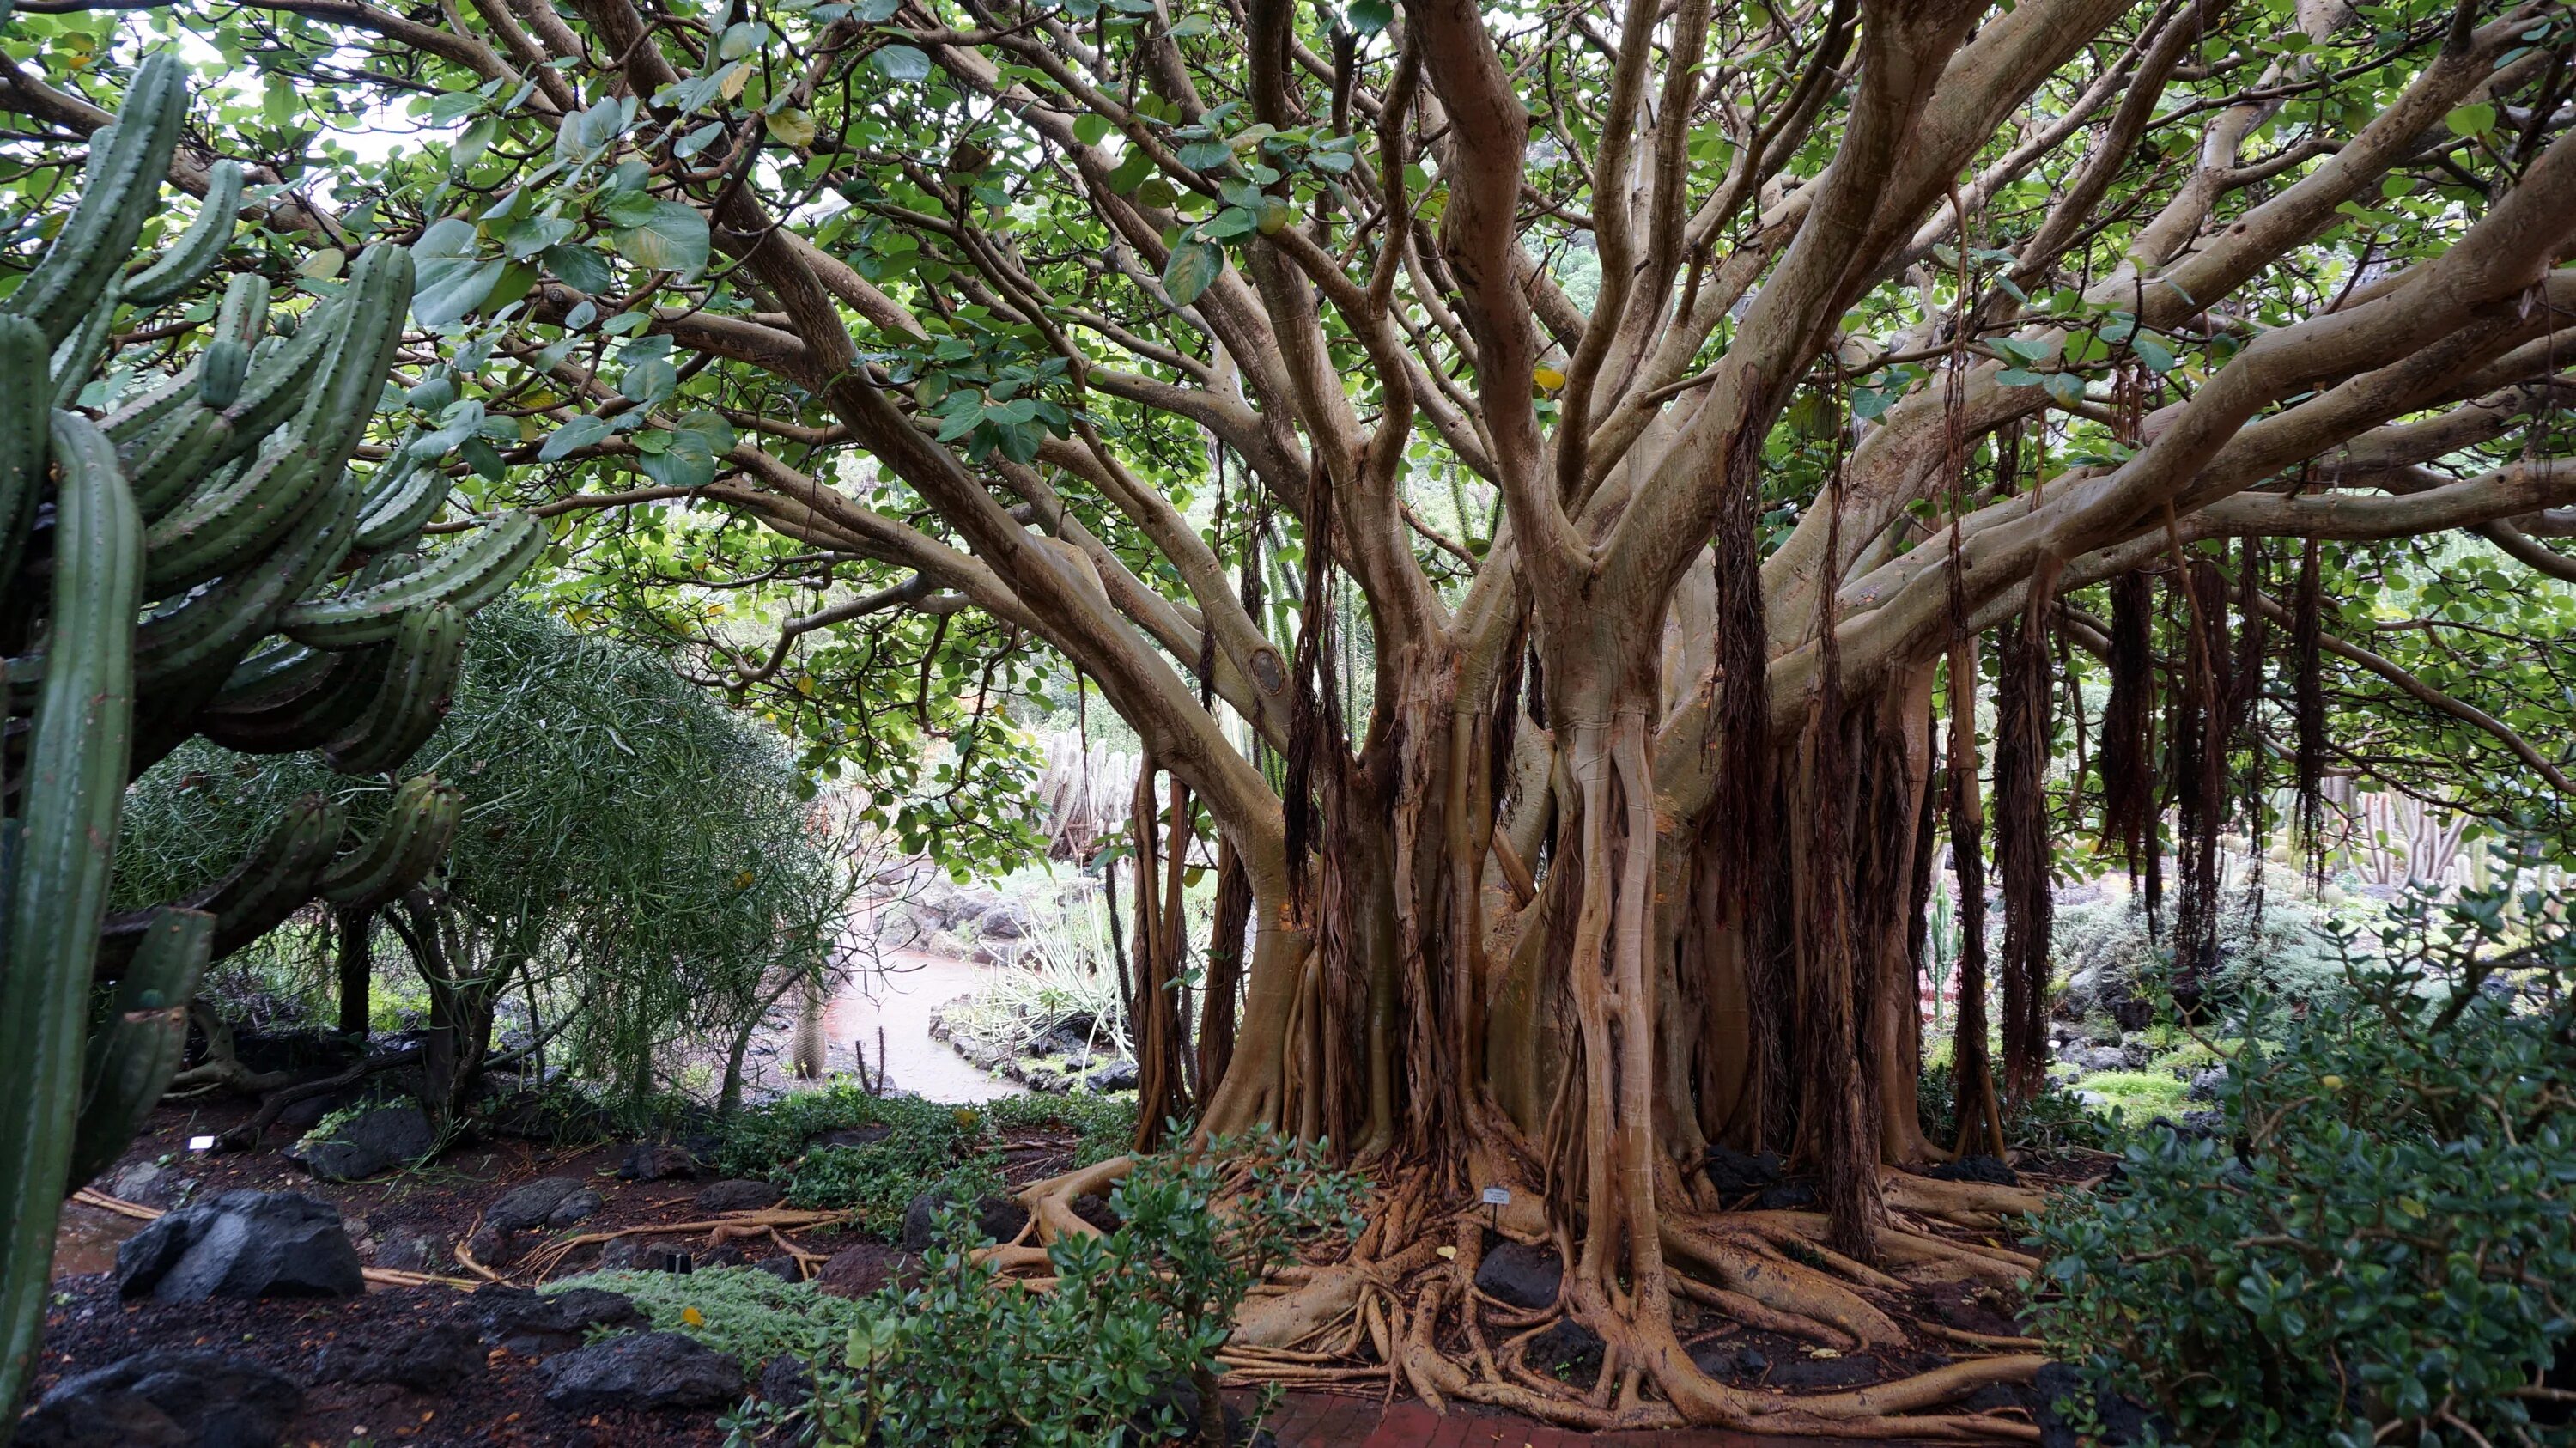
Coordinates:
<point>573,436</point>
<point>1091,129</point>
<point>1193,265</point>
<point>792,127</point>
<point>578,267</point>
<point>1190,25</point>
<point>452,279</point>
<point>1368,17</point>
<point>2471,120</point>
<point>2158,357</point>
<point>900,63</point>
<point>1206,155</point>
<point>674,240</point>
<point>2066,387</point>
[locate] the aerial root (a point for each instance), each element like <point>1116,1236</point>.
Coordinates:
<point>1402,1309</point>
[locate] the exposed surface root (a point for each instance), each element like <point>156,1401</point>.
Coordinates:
<point>1400,1307</point>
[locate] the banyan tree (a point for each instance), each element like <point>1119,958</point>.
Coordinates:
<point>1549,485</point>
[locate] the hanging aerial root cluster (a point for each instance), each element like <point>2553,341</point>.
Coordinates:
<point>1400,1308</point>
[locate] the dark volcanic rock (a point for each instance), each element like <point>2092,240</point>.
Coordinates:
<point>1988,1169</point>
<point>1116,1076</point>
<point>1787,1197</point>
<point>1734,1173</point>
<point>530,1324</point>
<point>786,1380</point>
<point>432,1360</point>
<point>1813,1374</point>
<point>1566,1344</point>
<point>998,1218</point>
<point>369,1144</point>
<point>2204,1084</point>
<point>1520,1275</point>
<point>242,1244</point>
<point>653,1161</point>
<point>850,1136</point>
<point>166,1399</point>
<point>1095,1209</point>
<point>641,1370</point>
<point>529,1204</point>
<point>575,1208</point>
<point>1720,1360</point>
<point>738,1196</point>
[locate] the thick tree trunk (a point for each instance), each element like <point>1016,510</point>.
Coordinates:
<point>356,968</point>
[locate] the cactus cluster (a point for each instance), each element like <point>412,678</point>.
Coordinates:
<point>202,559</point>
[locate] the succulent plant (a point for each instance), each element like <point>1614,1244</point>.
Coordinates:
<point>289,608</point>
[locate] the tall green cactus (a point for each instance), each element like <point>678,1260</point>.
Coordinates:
<point>222,497</point>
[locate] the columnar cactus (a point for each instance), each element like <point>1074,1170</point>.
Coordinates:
<point>289,610</point>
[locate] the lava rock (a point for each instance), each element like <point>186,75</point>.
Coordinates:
<point>407,1251</point>
<point>653,1161</point>
<point>574,1209</point>
<point>368,1144</point>
<point>738,1196</point>
<point>1520,1275</point>
<point>997,1218</point>
<point>1094,1208</point>
<point>1171,1415</point>
<point>850,1136</point>
<point>645,1254</point>
<point>1006,921</point>
<point>1566,1344</point>
<point>786,1380</point>
<point>531,1324</point>
<point>140,1182</point>
<point>1734,1173</point>
<point>2103,1058</point>
<point>860,1271</point>
<point>1786,1197</point>
<point>1116,1076</point>
<point>2058,1387</point>
<point>1991,1170</point>
<point>2204,1084</point>
<point>782,1268</point>
<point>528,1205</point>
<point>491,1247</point>
<point>1719,1360</point>
<point>641,1370</point>
<point>184,1398</point>
<point>242,1244</point>
<point>431,1360</point>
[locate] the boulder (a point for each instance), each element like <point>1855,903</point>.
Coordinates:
<point>1733,1173</point>
<point>1786,1197</point>
<point>1116,1076</point>
<point>532,1324</point>
<point>492,1247</point>
<point>2103,1058</point>
<point>368,1144</point>
<point>574,1209</point>
<point>849,1136</point>
<point>528,1204</point>
<point>1519,1275</point>
<point>786,1381</point>
<point>645,1254</point>
<point>242,1244</point>
<point>431,1360</point>
<point>1171,1415</point>
<point>1006,921</point>
<point>1094,1208</point>
<point>1567,1344</point>
<point>410,1251</point>
<point>856,1271</point>
<point>166,1398</point>
<point>738,1196</point>
<point>1988,1169</point>
<point>142,1182</point>
<point>653,1161</point>
<point>1724,1360</point>
<point>650,1370</point>
<point>2204,1084</point>
<point>997,1218</point>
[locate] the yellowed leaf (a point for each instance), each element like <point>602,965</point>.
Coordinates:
<point>1548,378</point>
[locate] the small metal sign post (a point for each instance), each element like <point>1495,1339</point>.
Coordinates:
<point>1496,1198</point>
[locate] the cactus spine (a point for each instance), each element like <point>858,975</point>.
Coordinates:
<point>223,496</point>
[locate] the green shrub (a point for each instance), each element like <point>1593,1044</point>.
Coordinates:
<point>2051,1121</point>
<point>742,1312</point>
<point>953,1150</point>
<point>965,1359</point>
<point>2390,1256</point>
